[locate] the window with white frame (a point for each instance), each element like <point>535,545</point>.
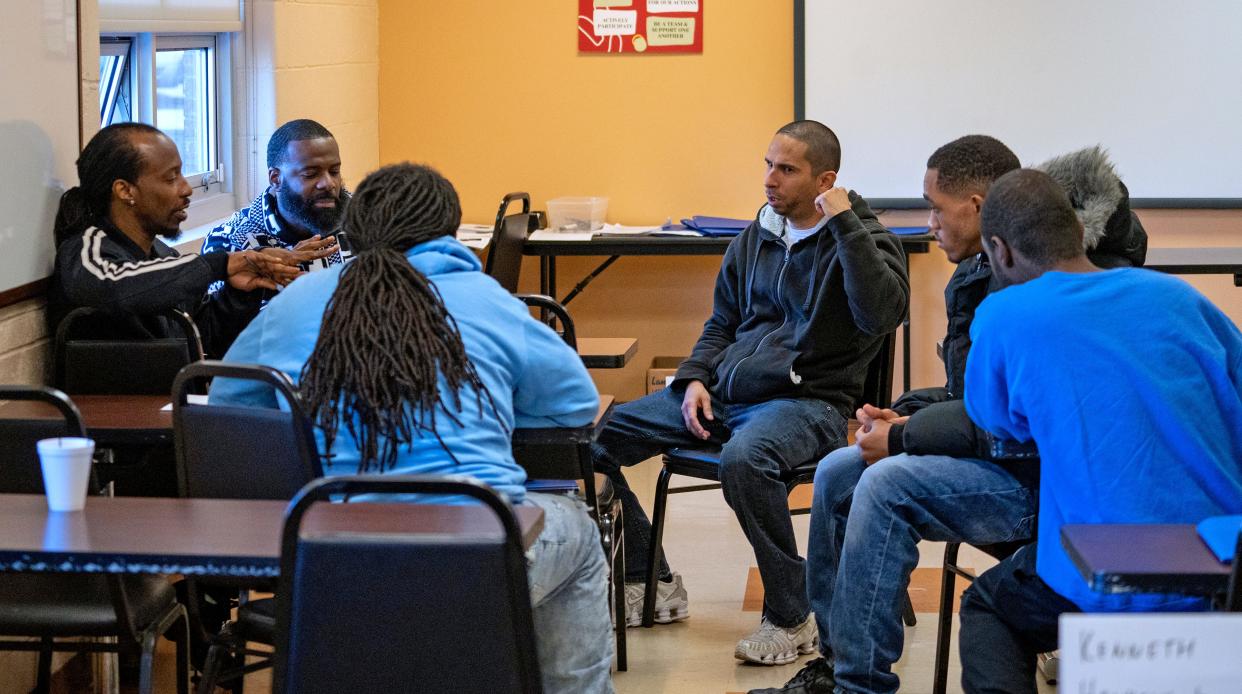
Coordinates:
<point>175,82</point>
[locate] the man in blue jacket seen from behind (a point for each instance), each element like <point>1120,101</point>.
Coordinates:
<point>1127,380</point>
<point>804,298</point>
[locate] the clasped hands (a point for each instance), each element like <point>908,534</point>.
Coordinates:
<point>273,268</point>
<point>872,437</point>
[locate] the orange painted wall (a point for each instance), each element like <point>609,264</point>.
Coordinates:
<point>496,96</point>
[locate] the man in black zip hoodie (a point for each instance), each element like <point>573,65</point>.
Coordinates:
<point>804,298</point>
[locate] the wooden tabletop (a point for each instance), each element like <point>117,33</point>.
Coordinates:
<point>209,537</point>
<point>1144,558</point>
<point>109,419</point>
<point>607,352</point>
<point>1195,261</point>
<point>112,419</point>
<point>587,433</point>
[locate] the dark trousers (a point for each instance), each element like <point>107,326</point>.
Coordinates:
<point>758,441</point>
<point>1009,615</point>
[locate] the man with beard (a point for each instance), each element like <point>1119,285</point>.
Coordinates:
<point>109,253</point>
<point>302,205</point>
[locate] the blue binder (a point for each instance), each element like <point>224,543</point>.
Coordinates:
<point>716,226</point>
<point>1220,534</point>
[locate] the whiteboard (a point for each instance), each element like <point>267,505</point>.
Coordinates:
<point>1159,84</point>
<point>38,131</point>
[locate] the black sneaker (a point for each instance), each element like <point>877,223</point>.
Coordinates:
<point>814,678</point>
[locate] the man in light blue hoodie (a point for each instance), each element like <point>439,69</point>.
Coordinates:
<point>412,361</point>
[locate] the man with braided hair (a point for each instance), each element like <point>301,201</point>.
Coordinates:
<point>412,361</point>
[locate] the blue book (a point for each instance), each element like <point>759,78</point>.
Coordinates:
<point>716,226</point>
<point>1220,534</point>
<point>908,231</point>
<point>551,486</point>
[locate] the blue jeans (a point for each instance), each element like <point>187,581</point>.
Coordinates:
<point>758,441</point>
<point>866,523</point>
<point>569,595</point>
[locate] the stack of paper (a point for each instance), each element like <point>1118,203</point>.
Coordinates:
<point>475,235</point>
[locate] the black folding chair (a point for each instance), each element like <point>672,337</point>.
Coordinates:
<point>232,452</point>
<point>704,463</point>
<point>563,458</point>
<point>372,611</point>
<point>85,364</point>
<point>504,256</point>
<point>61,609</point>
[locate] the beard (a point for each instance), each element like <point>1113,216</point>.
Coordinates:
<point>170,234</point>
<point>303,213</point>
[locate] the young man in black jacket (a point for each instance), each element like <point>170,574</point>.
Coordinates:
<point>803,300</point>
<point>110,254</point>
<point>922,470</point>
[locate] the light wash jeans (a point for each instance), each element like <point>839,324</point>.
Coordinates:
<point>866,523</point>
<point>569,595</point>
<point>757,441</point>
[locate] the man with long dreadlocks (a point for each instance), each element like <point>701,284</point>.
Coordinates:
<point>412,361</point>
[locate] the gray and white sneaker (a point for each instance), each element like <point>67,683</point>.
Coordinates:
<point>773,645</point>
<point>671,603</point>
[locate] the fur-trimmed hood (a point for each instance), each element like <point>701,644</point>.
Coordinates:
<point>1112,235</point>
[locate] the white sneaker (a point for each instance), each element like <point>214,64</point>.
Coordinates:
<point>671,603</point>
<point>773,645</point>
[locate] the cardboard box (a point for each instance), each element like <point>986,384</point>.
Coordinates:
<point>661,372</point>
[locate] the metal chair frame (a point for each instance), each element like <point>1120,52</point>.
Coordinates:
<point>325,489</point>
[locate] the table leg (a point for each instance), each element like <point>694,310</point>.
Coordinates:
<point>905,355</point>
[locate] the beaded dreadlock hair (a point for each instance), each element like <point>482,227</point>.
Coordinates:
<point>387,339</point>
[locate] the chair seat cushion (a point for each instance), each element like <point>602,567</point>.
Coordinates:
<point>77,605</point>
<point>704,463</point>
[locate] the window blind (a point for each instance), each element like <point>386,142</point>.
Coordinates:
<point>170,15</point>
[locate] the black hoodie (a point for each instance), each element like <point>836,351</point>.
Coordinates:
<point>803,321</point>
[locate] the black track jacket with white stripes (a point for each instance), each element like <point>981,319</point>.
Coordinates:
<point>103,268</point>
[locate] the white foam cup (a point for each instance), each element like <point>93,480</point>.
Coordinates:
<point>66,466</point>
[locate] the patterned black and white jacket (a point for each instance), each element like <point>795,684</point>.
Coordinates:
<point>257,227</point>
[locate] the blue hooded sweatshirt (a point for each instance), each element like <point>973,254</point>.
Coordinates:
<point>535,379</point>
<point>1130,382</point>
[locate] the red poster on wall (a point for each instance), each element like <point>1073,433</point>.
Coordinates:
<point>640,26</point>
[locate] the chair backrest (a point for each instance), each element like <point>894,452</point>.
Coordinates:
<point>549,306</point>
<point>20,472</point>
<point>878,386</point>
<point>372,611</point>
<point>504,256</point>
<point>228,452</point>
<point>83,365</point>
